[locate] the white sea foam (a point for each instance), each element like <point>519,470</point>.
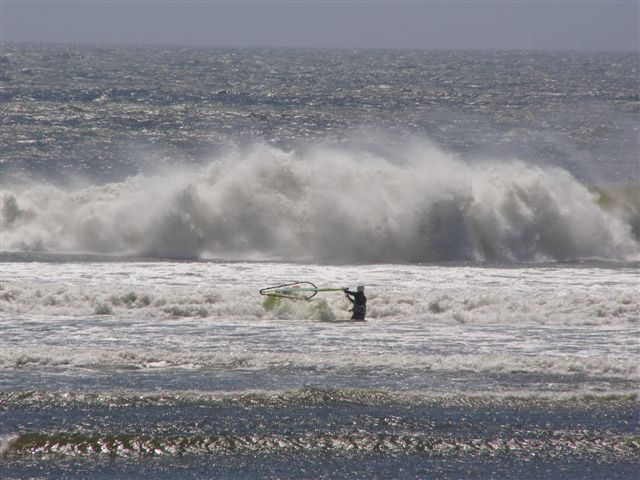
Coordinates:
<point>431,295</point>
<point>420,204</point>
<point>473,306</point>
<point>207,318</point>
<point>343,362</point>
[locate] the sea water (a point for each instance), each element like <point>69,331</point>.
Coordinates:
<point>488,201</point>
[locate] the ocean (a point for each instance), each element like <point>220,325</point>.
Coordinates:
<point>489,202</point>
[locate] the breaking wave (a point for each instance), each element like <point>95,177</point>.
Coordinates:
<point>330,205</point>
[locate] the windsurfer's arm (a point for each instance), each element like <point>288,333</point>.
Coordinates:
<point>349,294</point>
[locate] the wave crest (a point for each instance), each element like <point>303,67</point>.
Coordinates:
<point>328,205</point>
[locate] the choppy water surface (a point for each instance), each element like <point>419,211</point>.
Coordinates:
<point>86,110</point>
<point>323,433</point>
<point>487,200</point>
<point>459,370</point>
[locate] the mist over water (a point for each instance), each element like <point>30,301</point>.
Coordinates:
<point>327,204</point>
<point>331,156</point>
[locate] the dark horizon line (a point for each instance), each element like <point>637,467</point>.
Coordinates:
<point>203,46</point>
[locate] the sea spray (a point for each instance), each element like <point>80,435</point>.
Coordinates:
<point>328,205</point>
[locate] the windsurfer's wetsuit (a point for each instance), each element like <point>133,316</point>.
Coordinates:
<point>359,304</point>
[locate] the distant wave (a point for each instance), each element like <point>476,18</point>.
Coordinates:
<point>331,205</point>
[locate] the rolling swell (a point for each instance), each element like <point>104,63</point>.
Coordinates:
<point>287,434</point>
<point>128,360</point>
<point>581,444</point>
<point>346,422</point>
<point>330,205</point>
